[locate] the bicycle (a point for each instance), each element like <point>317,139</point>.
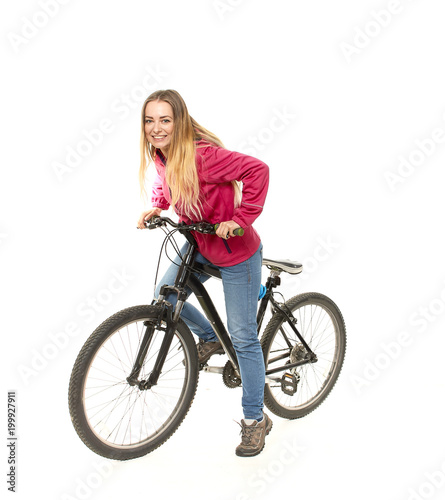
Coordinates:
<point>136,376</point>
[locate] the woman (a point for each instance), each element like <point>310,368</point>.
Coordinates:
<point>199,178</point>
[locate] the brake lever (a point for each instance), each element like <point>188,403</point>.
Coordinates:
<point>205,228</point>
<point>154,222</point>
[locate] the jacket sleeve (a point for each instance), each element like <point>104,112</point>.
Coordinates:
<point>157,194</point>
<point>221,165</point>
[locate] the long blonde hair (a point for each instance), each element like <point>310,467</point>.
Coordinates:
<point>181,172</point>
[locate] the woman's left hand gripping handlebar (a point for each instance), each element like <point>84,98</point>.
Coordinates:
<point>225,229</point>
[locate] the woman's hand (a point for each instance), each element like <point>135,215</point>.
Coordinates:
<point>225,229</point>
<point>147,216</point>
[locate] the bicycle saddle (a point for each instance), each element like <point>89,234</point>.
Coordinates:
<point>288,266</point>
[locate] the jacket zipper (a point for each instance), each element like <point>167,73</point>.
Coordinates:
<point>227,246</point>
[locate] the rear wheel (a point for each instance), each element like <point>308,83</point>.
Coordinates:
<point>298,391</point>
<point>122,421</point>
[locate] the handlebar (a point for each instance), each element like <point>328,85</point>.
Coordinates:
<point>200,227</point>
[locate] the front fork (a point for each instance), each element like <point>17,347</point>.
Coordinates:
<point>167,314</point>
<point>171,317</point>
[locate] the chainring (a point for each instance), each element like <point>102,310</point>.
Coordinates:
<point>231,377</point>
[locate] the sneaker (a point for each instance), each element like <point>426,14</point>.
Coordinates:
<point>208,349</point>
<point>253,437</point>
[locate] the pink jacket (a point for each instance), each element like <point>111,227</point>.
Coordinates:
<point>217,168</point>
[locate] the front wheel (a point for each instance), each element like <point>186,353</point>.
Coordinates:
<point>122,421</point>
<point>298,391</point>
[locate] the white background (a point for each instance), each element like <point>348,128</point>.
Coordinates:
<point>360,85</point>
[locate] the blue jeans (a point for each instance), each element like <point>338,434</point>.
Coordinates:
<point>241,285</point>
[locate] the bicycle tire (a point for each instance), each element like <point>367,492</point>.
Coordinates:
<point>321,324</point>
<point>113,418</point>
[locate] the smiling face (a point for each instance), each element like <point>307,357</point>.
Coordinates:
<point>159,124</point>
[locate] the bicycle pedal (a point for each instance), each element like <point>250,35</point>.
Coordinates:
<point>289,384</point>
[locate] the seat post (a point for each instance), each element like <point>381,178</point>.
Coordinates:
<point>272,282</point>
<point>274,279</point>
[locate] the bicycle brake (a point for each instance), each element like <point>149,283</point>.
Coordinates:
<point>155,222</point>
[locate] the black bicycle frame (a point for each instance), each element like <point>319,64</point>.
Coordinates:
<point>185,278</point>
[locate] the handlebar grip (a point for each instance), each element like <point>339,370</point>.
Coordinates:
<point>239,231</point>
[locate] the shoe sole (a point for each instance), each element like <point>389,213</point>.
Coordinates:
<point>221,351</point>
<point>204,360</point>
<point>254,454</point>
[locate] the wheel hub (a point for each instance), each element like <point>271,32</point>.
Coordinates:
<point>298,353</point>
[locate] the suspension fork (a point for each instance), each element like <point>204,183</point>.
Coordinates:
<point>151,325</point>
<point>171,317</point>
<point>165,347</point>
<point>132,379</point>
